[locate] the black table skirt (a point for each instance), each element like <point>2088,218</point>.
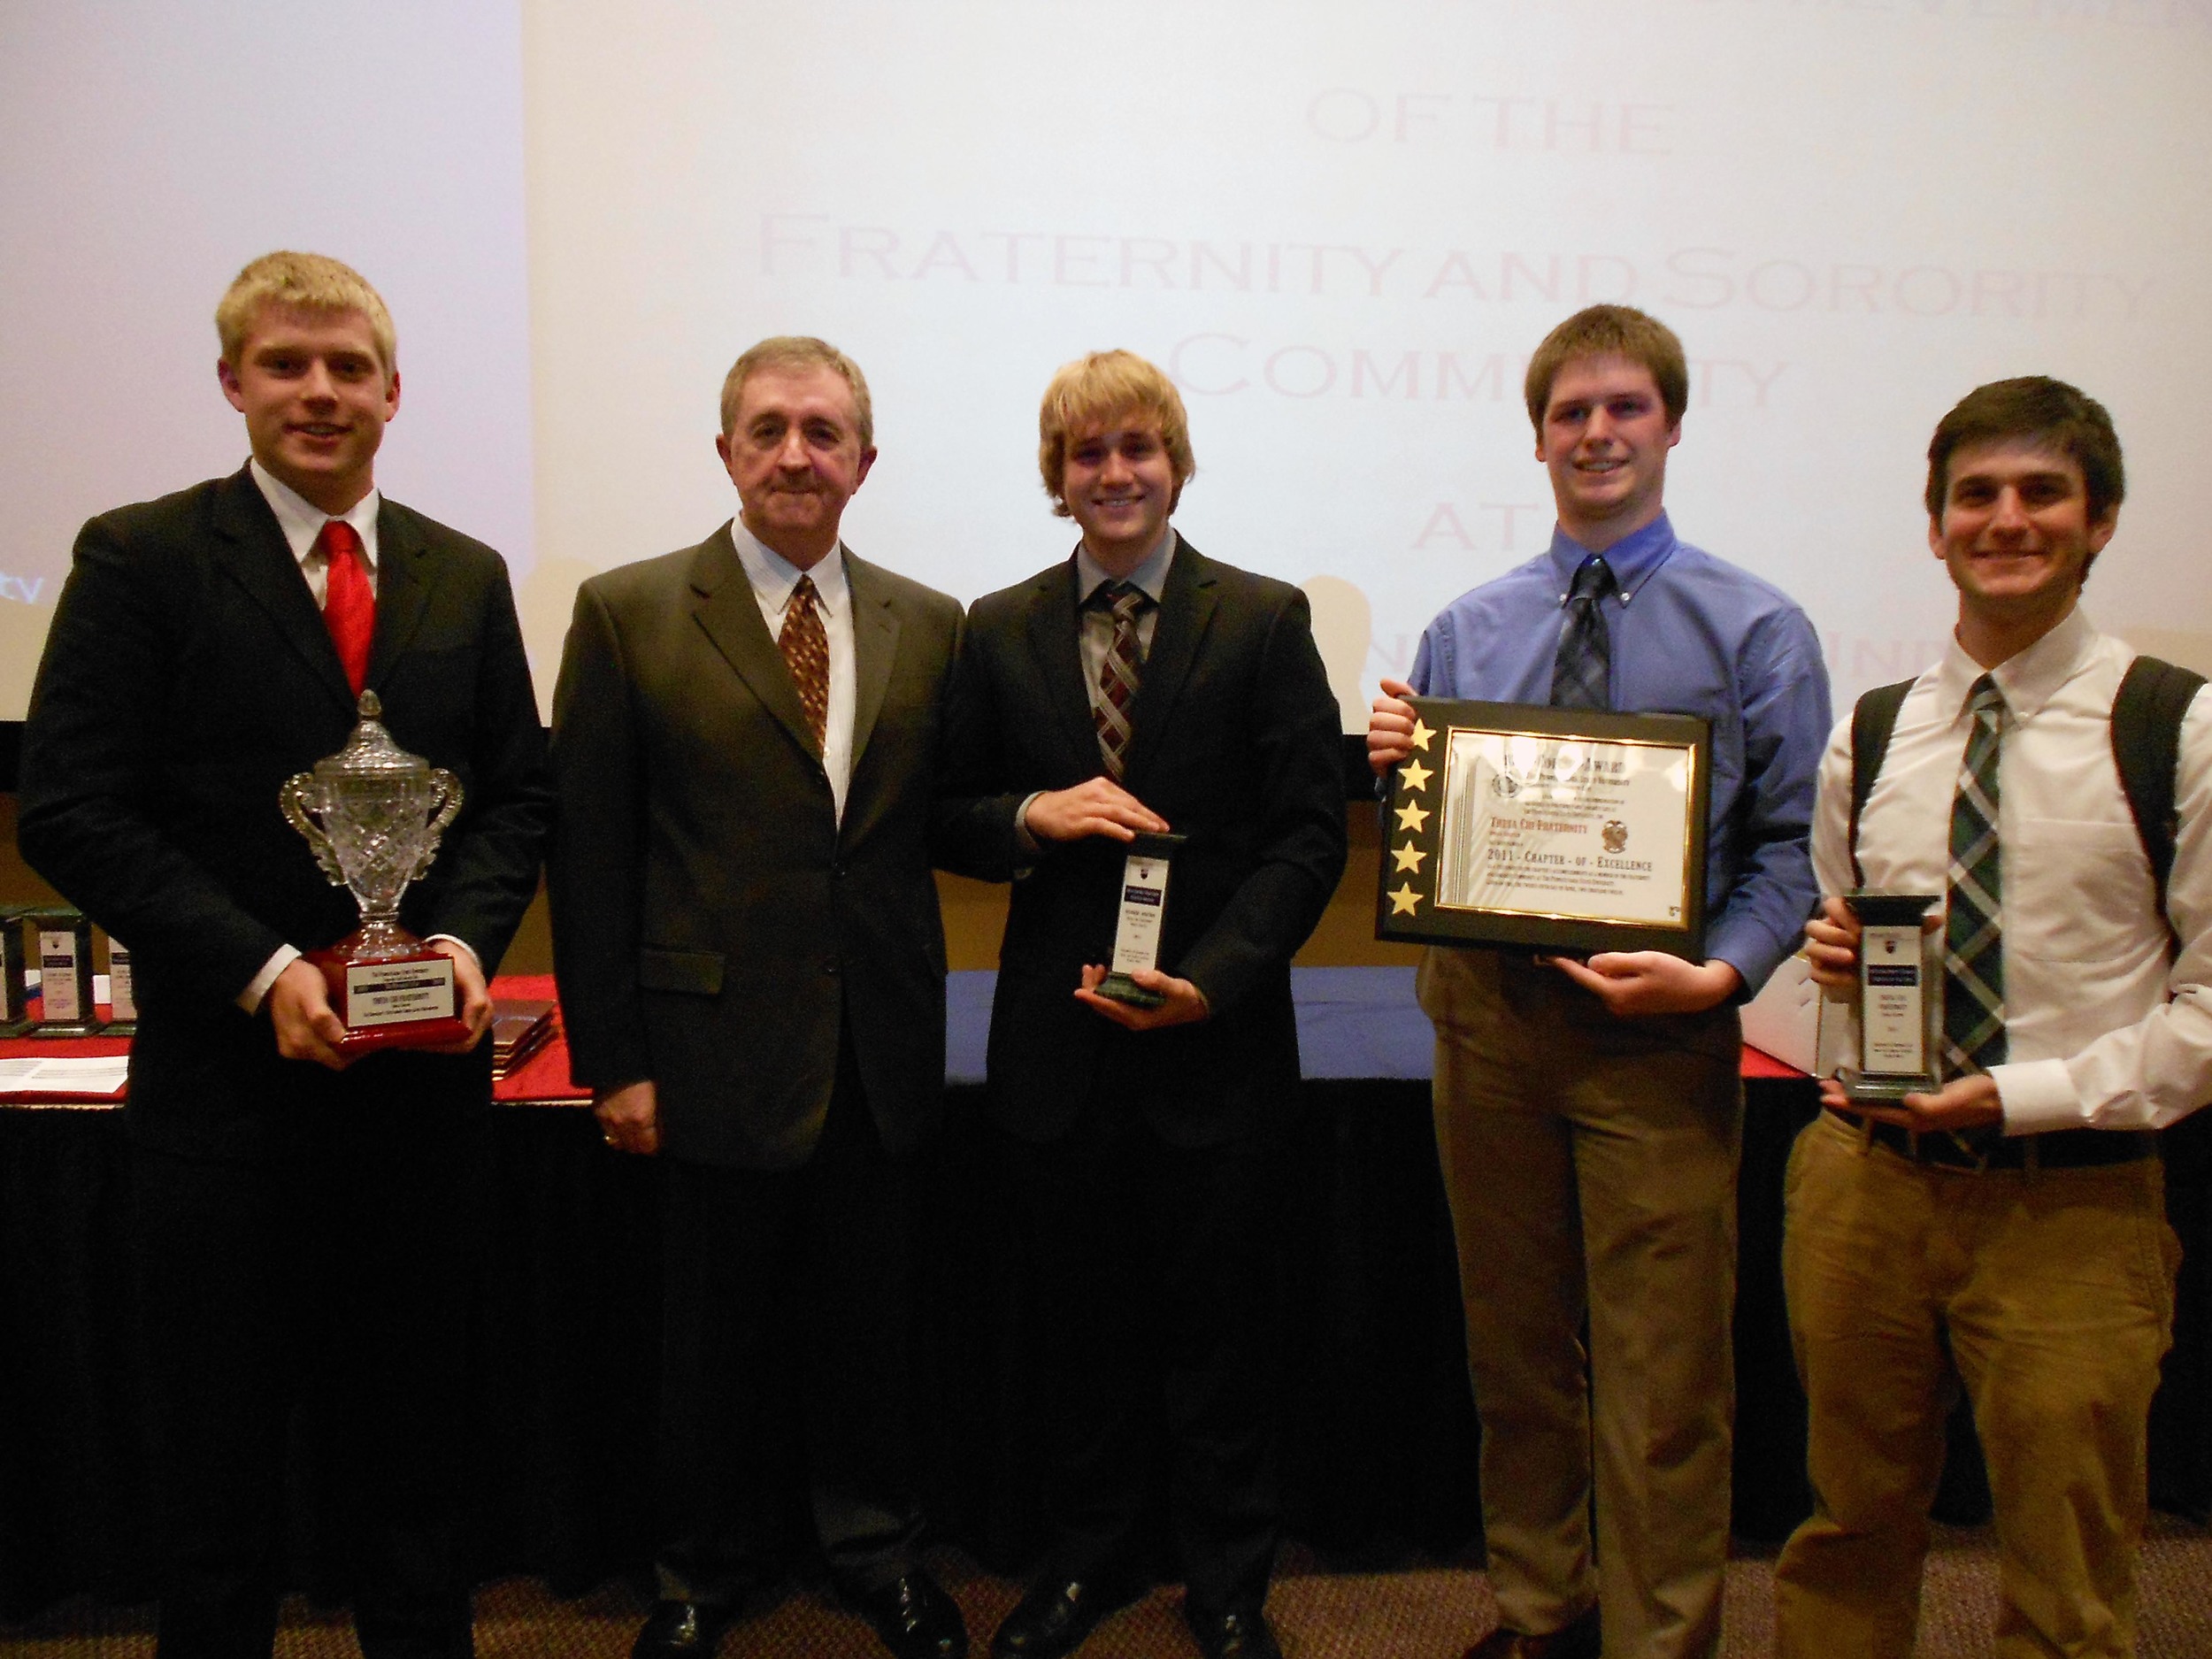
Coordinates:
<point>1379,1436</point>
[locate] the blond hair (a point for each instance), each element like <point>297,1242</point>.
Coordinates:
<point>798,351</point>
<point>1101,390</point>
<point>306,283</point>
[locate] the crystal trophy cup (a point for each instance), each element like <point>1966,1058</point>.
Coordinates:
<point>373,813</point>
<point>1142,920</point>
<point>1900,999</point>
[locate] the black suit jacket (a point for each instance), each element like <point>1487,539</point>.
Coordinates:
<point>1237,745</point>
<point>714,923</point>
<point>187,675</point>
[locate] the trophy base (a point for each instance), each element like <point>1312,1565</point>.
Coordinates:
<point>1119,987</point>
<point>391,998</point>
<point>67,1028</point>
<point>1874,1089</point>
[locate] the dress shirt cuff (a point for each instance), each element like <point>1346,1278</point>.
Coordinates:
<point>282,957</point>
<point>454,939</point>
<point>1027,848</point>
<point>2036,1095</point>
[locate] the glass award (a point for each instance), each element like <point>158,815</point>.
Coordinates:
<point>1901,998</point>
<point>1143,918</point>
<point>373,813</point>
<point>64,953</point>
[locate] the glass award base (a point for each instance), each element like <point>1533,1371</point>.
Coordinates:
<point>391,995</point>
<point>1880,1088</point>
<point>1119,987</point>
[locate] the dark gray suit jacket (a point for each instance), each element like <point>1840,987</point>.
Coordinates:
<point>1237,745</point>
<point>187,675</point>
<point>713,922</point>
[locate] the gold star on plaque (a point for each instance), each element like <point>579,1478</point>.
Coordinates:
<point>1412,817</point>
<point>1409,857</point>
<point>1403,901</point>
<point>1421,736</point>
<point>1414,775</point>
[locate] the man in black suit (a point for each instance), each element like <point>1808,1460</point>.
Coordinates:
<point>752,967</point>
<point>1138,686</point>
<point>295,1213</point>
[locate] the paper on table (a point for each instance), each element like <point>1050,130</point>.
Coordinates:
<point>102,1074</point>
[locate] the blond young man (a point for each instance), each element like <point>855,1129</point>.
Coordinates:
<point>1138,686</point>
<point>1588,1113</point>
<point>297,1216</point>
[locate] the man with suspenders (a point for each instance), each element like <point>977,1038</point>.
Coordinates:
<point>2006,1232</point>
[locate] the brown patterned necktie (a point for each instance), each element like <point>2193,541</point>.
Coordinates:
<point>805,646</point>
<point>1118,676</point>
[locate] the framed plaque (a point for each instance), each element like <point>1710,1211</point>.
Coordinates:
<point>1559,830</point>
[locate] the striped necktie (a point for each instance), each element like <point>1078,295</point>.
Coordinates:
<point>1973,940</point>
<point>1118,675</point>
<point>1581,674</point>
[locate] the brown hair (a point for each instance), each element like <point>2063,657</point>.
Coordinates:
<point>1096,391</point>
<point>799,352</point>
<point>1611,331</point>
<point>2045,411</point>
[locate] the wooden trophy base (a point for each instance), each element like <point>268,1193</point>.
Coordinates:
<point>391,997</point>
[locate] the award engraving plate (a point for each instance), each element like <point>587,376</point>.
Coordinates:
<point>1143,916</point>
<point>122,995</point>
<point>373,813</point>
<point>64,974</point>
<point>1559,830</point>
<point>1901,998</point>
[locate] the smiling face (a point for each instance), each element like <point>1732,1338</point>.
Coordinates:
<point>1119,483</point>
<point>1604,438</point>
<point>316,393</point>
<point>2017,538</point>
<point>794,452</point>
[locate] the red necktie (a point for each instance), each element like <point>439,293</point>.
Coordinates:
<point>349,605</point>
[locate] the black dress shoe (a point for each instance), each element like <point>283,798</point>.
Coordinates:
<point>1577,1638</point>
<point>682,1629</point>
<point>916,1619</point>
<point>1052,1618</point>
<point>1235,1636</point>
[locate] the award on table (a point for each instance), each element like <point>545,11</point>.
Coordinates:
<point>373,813</point>
<point>15,996</point>
<point>122,992</point>
<point>1565,830</point>
<point>1143,916</point>
<point>1901,998</point>
<point>63,954</point>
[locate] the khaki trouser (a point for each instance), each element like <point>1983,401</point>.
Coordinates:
<point>1591,1165</point>
<point>2055,1289</point>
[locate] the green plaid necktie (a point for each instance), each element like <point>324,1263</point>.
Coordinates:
<point>1581,674</point>
<point>1973,941</point>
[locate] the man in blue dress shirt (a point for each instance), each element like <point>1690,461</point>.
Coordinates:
<point>1588,1113</point>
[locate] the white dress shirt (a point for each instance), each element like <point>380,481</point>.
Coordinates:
<point>2100,1029</point>
<point>774,579</point>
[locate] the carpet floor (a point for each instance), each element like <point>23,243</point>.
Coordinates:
<point>1414,1613</point>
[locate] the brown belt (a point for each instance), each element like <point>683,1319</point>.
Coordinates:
<point>2054,1150</point>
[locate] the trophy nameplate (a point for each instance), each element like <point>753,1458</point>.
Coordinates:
<point>122,994</point>
<point>1142,920</point>
<point>64,974</point>
<point>373,813</point>
<point>1562,831</point>
<point>1900,999</point>
<point>15,996</point>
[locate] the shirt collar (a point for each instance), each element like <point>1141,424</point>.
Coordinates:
<point>1151,575</point>
<point>774,576</point>
<point>302,521</point>
<point>2027,679</point>
<point>1634,559</point>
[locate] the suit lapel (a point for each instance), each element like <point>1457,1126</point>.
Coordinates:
<point>1186,608</point>
<point>257,556</point>
<point>729,615</point>
<point>405,573</point>
<point>875,645</point>
<point>1055,639</point>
